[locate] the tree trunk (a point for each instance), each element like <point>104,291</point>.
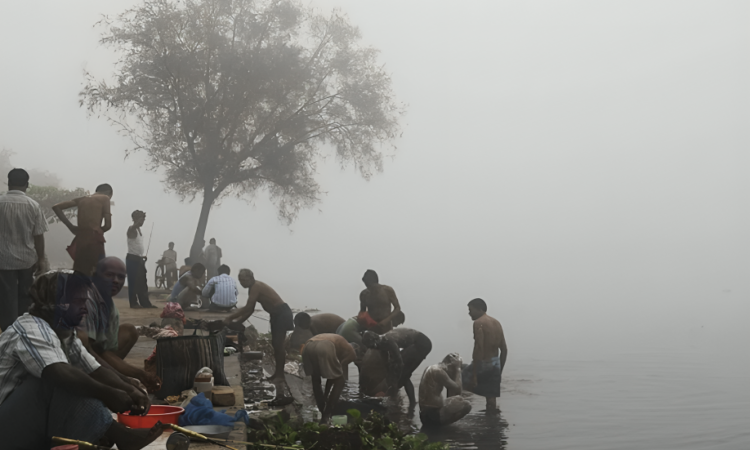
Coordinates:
<point>196,251</point>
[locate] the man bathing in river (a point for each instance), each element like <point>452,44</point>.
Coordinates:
<point>379,301</point>
<point>415,347</point>
<point>271,302</point>
<point>101,332</point>
<point>483,375</point>
<point>327,356</point>
<point>51,386</point>
<point>307,326</point>
<point>390,357</point>
<point>434,411</point>
<point>87,247</point>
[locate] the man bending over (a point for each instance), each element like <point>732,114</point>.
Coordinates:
<point>187,289</point>
<point>415,347</point>
<point>327,356</point>
<point>51,386</point>
<point>390,358</point>
<point>434,411</point>
<point>101,332</point>
<point>271,302</point>
<point>87,247</point>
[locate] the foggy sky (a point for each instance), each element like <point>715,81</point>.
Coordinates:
<point>580,165</point>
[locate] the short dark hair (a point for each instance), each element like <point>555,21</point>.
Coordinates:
<point>370,275</point>
<point>18,177</point>
<point>212,241</point>
<point>198,267</point>
<point>224,269</point>
<point>137,213</point>
<point>302,320</point>
<point>478,303</point>
<point>104,188</point>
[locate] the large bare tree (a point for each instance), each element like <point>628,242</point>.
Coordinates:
<point>237,97</point>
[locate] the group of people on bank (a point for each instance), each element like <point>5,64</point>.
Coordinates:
<point>64,358</point>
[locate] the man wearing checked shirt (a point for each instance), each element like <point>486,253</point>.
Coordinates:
<point>222,290</point>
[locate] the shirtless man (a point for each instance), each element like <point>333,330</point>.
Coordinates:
<point>327,356</point>
<point>390,357</point>
<point>379,301</point>
<point>281,315</point>
<point>186,290</point>
<point>307,326</point>
<point>87,247</point>
<point>483,375</point>
<point>415,347</point>
<point>434,411</point>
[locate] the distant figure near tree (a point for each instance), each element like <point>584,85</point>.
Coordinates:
<point>379,301</point>
<point>483,375</point>
<point>212,258</point>
<point>281,315</point>
<point>87,247</point>
<point>22,228</point>
<point>170,265</point>
<point>136,263</point>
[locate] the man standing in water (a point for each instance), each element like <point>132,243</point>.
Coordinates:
<point>281,315</point>
<point>379,301</point>
<point>212,258</point>
<point>327,356</point>
<point>483,375</point>
<point>87,247</point>
<point>135,261</point>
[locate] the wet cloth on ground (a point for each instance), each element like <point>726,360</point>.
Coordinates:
<point>320,357</point>
<point>488,377</point>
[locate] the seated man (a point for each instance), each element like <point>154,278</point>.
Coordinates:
<point>390,358</point>
<point>101,332</point>
<point>280,312</point>
<point>307,326</point>
<point>351,330</point>
<point>221,290</point>
<point>415,347</point>
<point>187,291</point>
<point>433,410</point>
<point>327,356</point>
<point>51,386</point>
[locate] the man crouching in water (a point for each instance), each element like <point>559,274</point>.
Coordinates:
<point>51,386</point>
<point>281,315</point>
<point>433,410</point>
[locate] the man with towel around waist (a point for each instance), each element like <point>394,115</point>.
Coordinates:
<point>483,375</point>
<point>281,315</point>
<point>328,356</point>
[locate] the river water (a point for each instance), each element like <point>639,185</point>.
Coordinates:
<point>677,380</point>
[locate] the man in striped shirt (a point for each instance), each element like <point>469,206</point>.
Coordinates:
<point>222,290</point>
<point>22,228</point>
<point>51,386</point>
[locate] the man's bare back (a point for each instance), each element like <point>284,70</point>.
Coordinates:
<point>344,350</point>
<point>92,210</point>
<point>259,292</point>
<point>380,302</point>
<point>489,338</point>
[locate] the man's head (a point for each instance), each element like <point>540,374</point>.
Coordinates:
<point>399,319</point>
<point>112,269</point>
<point>302,320</point>
<point>212,241</point>
<point>477,308</point>
<point>370,278</point>
<point>171,245</point>
<point>198,270</point>
<point>224,269</point>
<point>18,180</point>
<point>139,217</point>
<point>60,299</point>
<point>246,277</point>
<point>105,189</point>
<point>370,339</point>
<point>452,363</point>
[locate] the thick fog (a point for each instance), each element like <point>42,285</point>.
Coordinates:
<point>581,165</point>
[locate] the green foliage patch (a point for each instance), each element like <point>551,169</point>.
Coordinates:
<point>373,433</point>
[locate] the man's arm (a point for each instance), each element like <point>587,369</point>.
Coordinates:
<point>503,350</point>
<point>77,382</point>
<point>363,301</point>
<point>62,206</point>
<point>244,313</point>
<point>396,308</point>
<point>132,232</point>
<point>395,365</point>
<point>450,385</point>
<point>140,402</point>
<point>41,266</point>
<point>208,289</point>
<point>107,216</point>
<point>476,356</point>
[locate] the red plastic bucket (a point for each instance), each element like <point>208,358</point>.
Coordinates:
<point>157,413</point>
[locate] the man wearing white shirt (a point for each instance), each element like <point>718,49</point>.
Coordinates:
<point>22,228</point>
<point>222,290</point>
